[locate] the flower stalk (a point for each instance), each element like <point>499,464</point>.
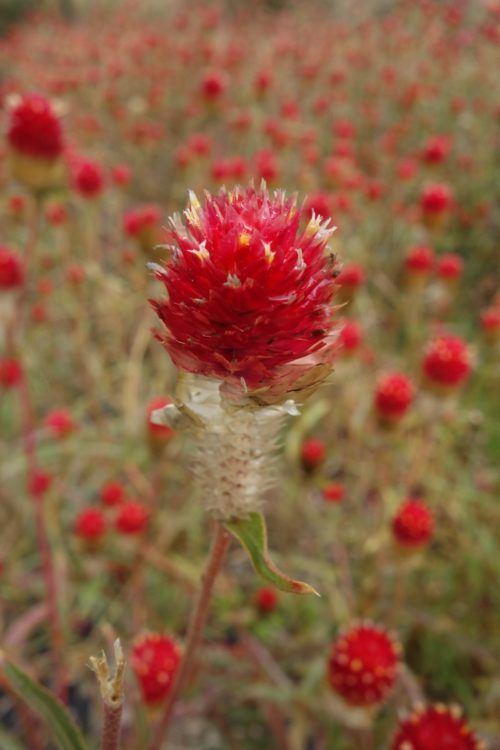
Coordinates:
<point>199,616</point>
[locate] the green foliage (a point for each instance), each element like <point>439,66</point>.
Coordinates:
<point>63,729</point>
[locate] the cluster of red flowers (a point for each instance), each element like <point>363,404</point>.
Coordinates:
<point>129,517</point>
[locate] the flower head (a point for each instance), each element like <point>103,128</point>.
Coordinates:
<point>419,260</point>
<point>132,518</point>
<point>393,396</point>
<point>90,525</point>
<point>39,483</point>
<point>11,269</point>
<point>141,218</point>
<point>112,493</point>
<point>155,659</point>
<point>447,361</point>
<point>266,599</point>
<point>432,727</point>
<point>351,277</point>
<point>490,321</point>
<point>60,423</point>
<point>11,372</point>
<point>249,291</point>
<point>436,149</point>
<point>213,85</point>
<point>450,267</point>
<point>312,453</point>
<point>87,177</point>
<point>363,665</point>
<point>333,492</point>
<point>350,336</point>
<point>436,199</point>
<point>413,523</point>
<point>34,128</point>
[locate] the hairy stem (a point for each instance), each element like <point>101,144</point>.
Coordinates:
<point>199,615</point>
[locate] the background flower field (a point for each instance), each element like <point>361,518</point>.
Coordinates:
<point>384,117</point>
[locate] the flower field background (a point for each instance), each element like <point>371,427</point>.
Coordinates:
<point>383,117</point>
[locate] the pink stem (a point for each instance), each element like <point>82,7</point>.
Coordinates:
<point>198,619</point>
<point>44,549</point>
<point>112,726</point>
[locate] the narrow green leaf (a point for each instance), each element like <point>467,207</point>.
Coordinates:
<point>64,730</point>
<point>252,533</point>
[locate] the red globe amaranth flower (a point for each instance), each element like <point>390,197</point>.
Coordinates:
<point>394,395</point>
<point>318,204</point>
<point>87,177</point>
<point>249,293</point>
<point>350,336</point>
<point>11,270</point>
<point>490,322</point>
<point>450,267</point>
<point>16,205</point>
<point>39,313</point>
<point>312,453</point>
<point>263,81</point>
<point>112,493</point>
<point>155,659</point>
<point>90,525</point>
<point>267,165</point>
<point>34,129</point>
<point>60,423</point>
<point>419,261</point>
<point>39,483</point>
<point>435,728</point>
<point>333,492</point>
<point>143,223</point>
<point>75,274</point>
<point>363,665</point>
<point>121,175</point>
<point>447,361</point>
<point>436,199</point>
<point>436,149</point>
<point>158,431</point>
<point>407,168</point>
<point>56,214</point>
<point>413,524</point>
<point>266,599</point>
<point>350,279</point>
<point>213,85</point>
<point>137,219</point>
<point>132,518</point>
<point>11,372</point>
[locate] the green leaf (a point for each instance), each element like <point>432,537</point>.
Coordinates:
<point>64,730</point>
<point>252,533</point>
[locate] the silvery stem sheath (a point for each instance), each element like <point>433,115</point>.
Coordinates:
<point>235,444</point>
